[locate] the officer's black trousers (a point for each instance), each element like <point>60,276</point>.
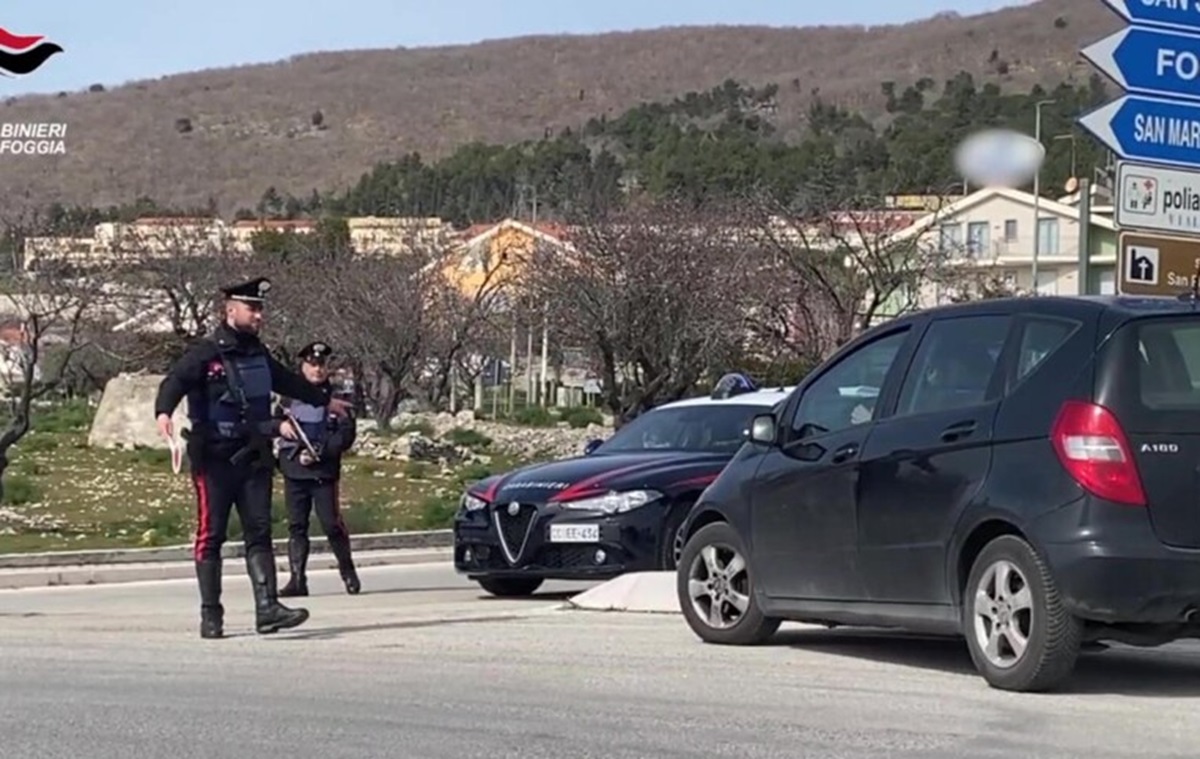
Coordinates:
<point>221,485</point>
<point>305,496</point>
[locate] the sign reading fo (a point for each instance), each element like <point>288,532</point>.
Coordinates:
<point>1156,265</point>
<point>1158,198</point>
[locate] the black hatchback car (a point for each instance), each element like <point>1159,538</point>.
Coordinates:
<point>1021,472</point>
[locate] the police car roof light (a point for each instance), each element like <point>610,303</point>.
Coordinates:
<point>733,384</point>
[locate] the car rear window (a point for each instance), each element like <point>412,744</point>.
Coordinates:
<point>1169,364</point>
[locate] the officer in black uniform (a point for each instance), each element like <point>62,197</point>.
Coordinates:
<point>228,378</point>
<point>311,477</point>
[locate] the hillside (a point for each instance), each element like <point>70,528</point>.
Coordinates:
<point>322,120</point>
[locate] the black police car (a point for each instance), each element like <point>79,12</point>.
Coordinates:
<point>617,508</point>
<point>1021,472</point>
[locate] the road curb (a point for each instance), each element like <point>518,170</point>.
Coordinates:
<point>233,549</point>
<point>113,573</point>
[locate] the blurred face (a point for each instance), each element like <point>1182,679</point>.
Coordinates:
<point>315,372</point>
<point>244,317</point>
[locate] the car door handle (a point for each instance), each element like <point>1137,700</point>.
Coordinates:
<point>845,453</point>
<point>958,431</point>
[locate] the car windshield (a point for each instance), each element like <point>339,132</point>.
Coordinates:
<point>709,428</point>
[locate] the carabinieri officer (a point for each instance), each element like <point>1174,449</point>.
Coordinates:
<point>227,378</point>
<point>311,476</point>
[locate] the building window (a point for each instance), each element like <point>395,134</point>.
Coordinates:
<point>951,237</point>
<point>977,238</point>
<point>1102,280</point>
<point>1047,282</point>
<point>1048,236</point>
<point>1010,230</point>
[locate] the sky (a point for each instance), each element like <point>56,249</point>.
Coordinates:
<point>118,41</point>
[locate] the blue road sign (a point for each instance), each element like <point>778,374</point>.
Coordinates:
<point>1149,129</point>
<point>1150,61</point>
<point>1176,14</point>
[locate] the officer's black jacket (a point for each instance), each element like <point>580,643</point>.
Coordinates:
<point>189,372</point>
<point>339,437</point>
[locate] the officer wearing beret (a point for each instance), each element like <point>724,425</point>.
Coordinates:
<point>227,378</point>
<point>312,468</point>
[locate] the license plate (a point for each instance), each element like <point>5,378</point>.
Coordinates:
<point>574,533</point>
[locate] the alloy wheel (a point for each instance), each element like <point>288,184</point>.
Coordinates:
<point>1003,614</point>
<point>719,586</point>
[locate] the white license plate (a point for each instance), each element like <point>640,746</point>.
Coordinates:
<point>574,533</point>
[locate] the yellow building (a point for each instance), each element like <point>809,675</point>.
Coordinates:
<point>495,258</point>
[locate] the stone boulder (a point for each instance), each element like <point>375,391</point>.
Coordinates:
<point>125,416</point>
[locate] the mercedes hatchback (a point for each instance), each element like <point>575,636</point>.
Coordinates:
<point>1022,472</point>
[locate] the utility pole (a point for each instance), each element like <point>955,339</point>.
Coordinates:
<point>543,384</point>
<point>528,366</point>
<point>1085,235</point>
<point>1037,194</point>
<point>454,380</point>
<point>512,369</point>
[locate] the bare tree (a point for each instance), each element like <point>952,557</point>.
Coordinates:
<point>655,293</point>
<point>169,273</point>
<point>834,265</point>
<point>47,317</point>
<point>465,332</point>
<point>387,311</point>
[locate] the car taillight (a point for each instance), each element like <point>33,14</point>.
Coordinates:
<point>1092,447</point>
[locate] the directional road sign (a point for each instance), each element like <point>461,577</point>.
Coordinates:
<point>1142,128</point>
<point>1154,265</point>
<point>1177,14</point>
<point>1152,61</point>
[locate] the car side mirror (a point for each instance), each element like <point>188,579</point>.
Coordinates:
<point>762,429</point>
<point>590,447</point>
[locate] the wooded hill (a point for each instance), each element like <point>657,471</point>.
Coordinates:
<point>220,138</point>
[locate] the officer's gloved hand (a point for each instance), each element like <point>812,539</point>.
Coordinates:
<point>306,458</point>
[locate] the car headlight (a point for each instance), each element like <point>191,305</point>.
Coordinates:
<point>614,503</point>
<point>470,503</point>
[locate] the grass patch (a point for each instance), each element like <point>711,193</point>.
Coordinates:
<point>130,498</point>
<point>21,489</point>
<point>580,417</point>
<point>417,470</point>
<point>469,438</point>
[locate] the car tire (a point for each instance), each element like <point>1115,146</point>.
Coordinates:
<point>671,533</point>
<point>1011,602</point>
<point>720,545</point>
<point>510,587</point>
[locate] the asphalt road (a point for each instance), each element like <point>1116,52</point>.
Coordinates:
<point>420,665</point>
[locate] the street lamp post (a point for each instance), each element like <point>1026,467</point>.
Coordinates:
<point>1037,193</point>
<point>1073,138</point>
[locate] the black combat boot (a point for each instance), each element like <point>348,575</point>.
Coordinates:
<point>339,543</point>
<point>297,584</point>
<point>212,614</point>
<point>269,615</point>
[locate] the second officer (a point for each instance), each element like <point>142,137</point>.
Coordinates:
<point>312,471</point>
